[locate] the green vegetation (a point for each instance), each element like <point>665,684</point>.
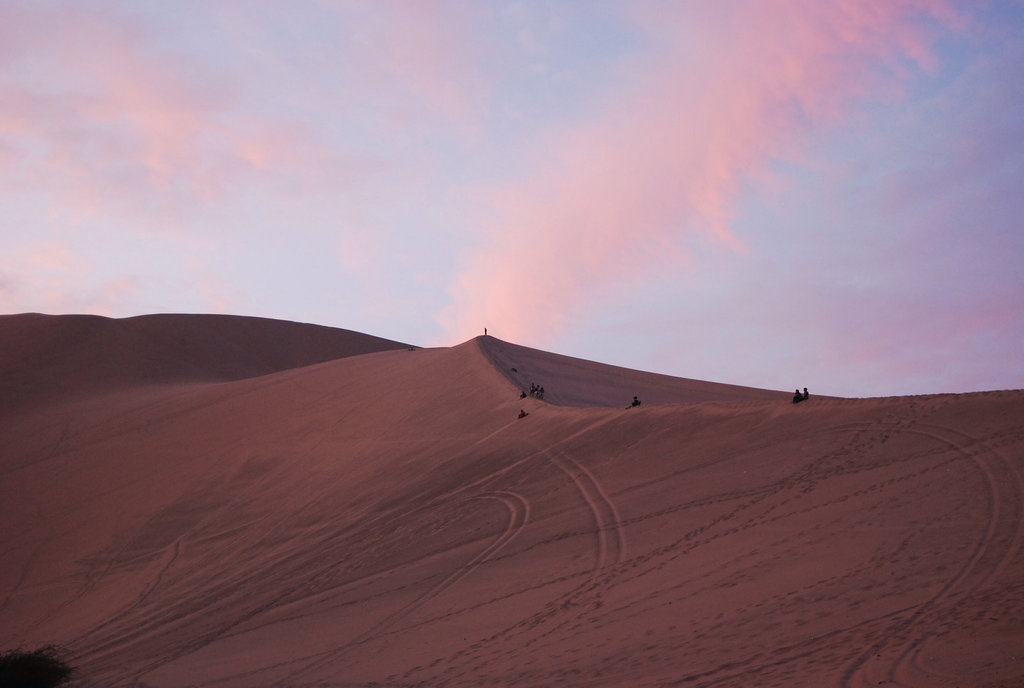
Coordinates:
<point>42,668</point>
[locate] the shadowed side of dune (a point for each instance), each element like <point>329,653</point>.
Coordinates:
<point>45,358</point>
<point>571,381</point>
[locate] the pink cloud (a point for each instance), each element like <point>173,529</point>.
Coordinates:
<point>109,120</point>
<point>75,275</point>
<point>652,178</point>
<point>91,110</point>
<point>422,49</point>
<point>415,59</point>
<point>110,124</point>
<point>392,67</point>
<point>52,256</point>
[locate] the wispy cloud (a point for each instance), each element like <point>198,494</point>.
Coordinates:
<point>651,178</point>
<point>112,122</point>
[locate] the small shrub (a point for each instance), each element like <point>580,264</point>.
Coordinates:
<point>42,668</point>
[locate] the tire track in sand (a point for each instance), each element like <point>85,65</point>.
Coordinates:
<point>610,551</point>
<point>609,530</point>
<point>610,547</point>
<point>519,514</point>
<point>997,546</point>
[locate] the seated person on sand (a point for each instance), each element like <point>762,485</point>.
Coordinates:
<point>806,395</point>
<point>798,397</point>
<point>636,402</point>
<point>523,413</point>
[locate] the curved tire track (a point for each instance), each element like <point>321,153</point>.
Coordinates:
<point>610,550</point>
<point>611,535</point>
<point>1000,542</point>
<point>519,514</point>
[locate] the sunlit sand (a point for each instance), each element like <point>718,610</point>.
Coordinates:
<point>209,501</point>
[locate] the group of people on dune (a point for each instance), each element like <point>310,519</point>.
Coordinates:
<point>538,392</point>
<point>535,391</point>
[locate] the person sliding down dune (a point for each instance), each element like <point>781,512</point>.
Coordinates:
<point>636,402</point>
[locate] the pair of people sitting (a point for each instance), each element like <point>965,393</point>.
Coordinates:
<point>800,396</point>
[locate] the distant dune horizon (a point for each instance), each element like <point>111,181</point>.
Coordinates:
<point>224,501</point>
<point>204,347</point>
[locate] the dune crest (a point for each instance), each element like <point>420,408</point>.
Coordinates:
<point>46,358</point>
<point>389,519</point>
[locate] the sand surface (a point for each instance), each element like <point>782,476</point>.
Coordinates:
<point>382,517</point>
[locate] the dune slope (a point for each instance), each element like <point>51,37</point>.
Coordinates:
<point>47,358</point>
<point>569,381</point>
<point>387,519</point>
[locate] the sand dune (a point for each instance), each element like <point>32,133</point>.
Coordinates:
<point>46,358</point>
<point>571,381</point>
<point>386,519</point>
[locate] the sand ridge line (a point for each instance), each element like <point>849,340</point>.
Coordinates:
<point>998,504</point>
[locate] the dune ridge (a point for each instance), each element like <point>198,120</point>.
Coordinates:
<point>387,519</point>
<point>44,358</point>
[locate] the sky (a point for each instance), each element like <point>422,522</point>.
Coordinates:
<point>774,193</point>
